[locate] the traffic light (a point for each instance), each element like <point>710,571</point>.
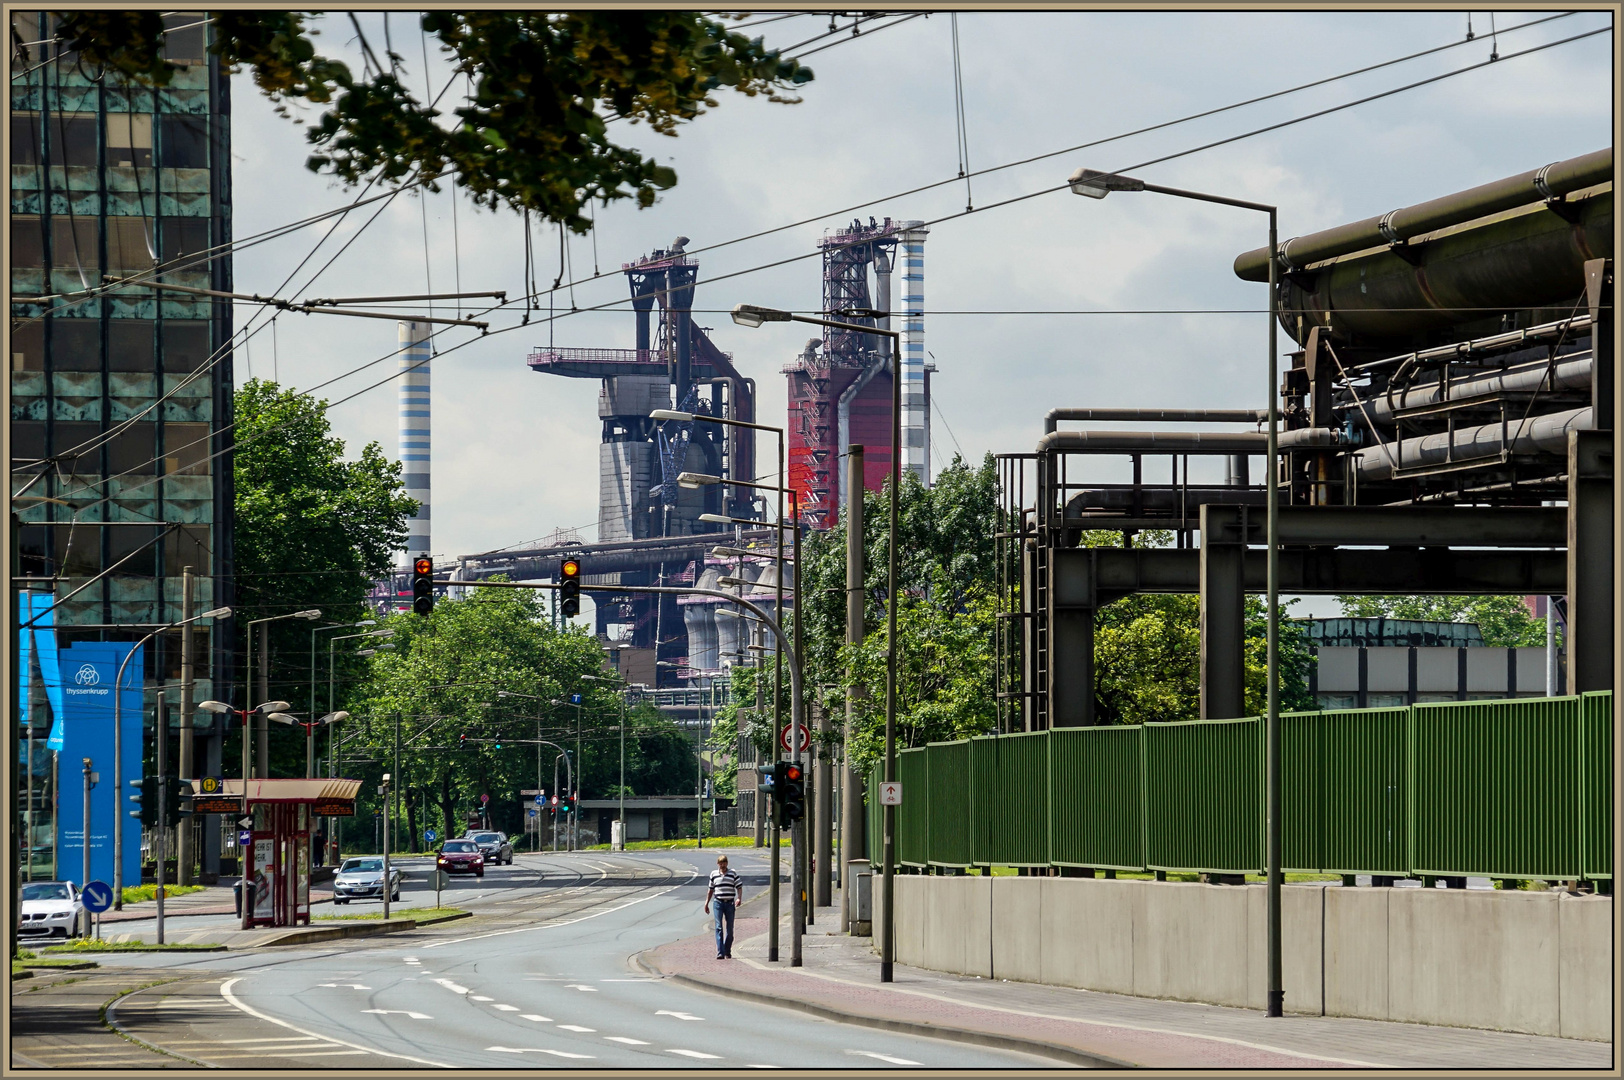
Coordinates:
<point>462,742</point>
<point>149,801</point>
<point>423,585</point>
<point>776,784</point>
<point>177,799</point>
<point>564,804</point>
<point>569,593</point>
<point>794,796</point>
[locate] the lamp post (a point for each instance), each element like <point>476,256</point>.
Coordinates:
<point>248,679</point>
<point>752,315</point>
<point>1097,185</point>
<point>161,730</point>
<point>314,630</point>
<point>245,860</point>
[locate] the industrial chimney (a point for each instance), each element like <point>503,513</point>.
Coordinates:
<point>414,432</point>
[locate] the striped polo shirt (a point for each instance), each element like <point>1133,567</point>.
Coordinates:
<point>725,885</point>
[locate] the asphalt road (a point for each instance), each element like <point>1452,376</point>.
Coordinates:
<point>545,977</point>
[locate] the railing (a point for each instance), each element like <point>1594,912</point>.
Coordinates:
<point>1518,789</point>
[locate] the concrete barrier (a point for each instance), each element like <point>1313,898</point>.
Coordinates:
<point>1536,962</point>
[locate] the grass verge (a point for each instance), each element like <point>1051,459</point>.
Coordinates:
<point>136,894</point>
<point>91,945</point>
<point>670,845</point>
<point>395,913</point>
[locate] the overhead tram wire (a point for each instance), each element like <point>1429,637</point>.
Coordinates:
<point>952,216</point>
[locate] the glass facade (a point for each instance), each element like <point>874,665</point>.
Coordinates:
<point>120,397</point>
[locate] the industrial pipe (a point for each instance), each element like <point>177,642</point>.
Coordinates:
<point>1162,497</point>
<point>1546,434</point>
<point>1524,378</point>
<point>1165,416</point>
<point>1154,442</point>
<point>1551,182</point>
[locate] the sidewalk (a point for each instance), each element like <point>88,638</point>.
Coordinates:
<point>212,900</point>
<point>840,980</point>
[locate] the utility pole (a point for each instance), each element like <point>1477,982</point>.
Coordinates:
<point>263,742</point>
<point>85,876</point>
<point>756,637</point>
<point>388,885</point>
<point>397,799</point>
<point>183,839</point>
<point>851,810</point>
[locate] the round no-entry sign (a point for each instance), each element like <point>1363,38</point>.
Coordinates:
<point>484,798</point>
<point>803,736</point>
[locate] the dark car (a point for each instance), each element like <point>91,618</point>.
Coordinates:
<point>461,857</point>
<point>494,846</point>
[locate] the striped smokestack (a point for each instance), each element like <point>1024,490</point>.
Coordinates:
<point>915,402</point>
<point>414,432</point>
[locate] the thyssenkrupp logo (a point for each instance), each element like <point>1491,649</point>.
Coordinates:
<point>87,675</point>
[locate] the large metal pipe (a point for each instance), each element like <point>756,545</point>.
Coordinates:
<point>1154,442</point>
<point>1546,434</point>
<point>1165,416</point>
<point>1163,498</point>
<point>1524,378</point>
<point>1553,181</point>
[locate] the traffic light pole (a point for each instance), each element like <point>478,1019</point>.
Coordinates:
<point>164,786</point>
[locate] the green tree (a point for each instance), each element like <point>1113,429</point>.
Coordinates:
<point>1505,621</point>
<point>532,134</point>
<point>312,531</point>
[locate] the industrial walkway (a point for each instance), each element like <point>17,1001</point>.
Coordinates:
<point>840,977</point>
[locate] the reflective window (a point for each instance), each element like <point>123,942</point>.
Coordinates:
<point>50,890</point>
<point>27,441</point>
<point>183,40</point>
<point>186,345</point>
<point>129,138</point>
<point>186,449</point>
<point>25,144</point>
<point>76,344</point>
<point>132,450</point>
<point>72,140</point>
<point>129,243</point>
<point>28,346</point>
<point>78,550</point>
<point>184,236</point>
<point>77,437</point>
<point>135,541</point>
<point>185,143</point>
<point>27,240</point>
<point>187,546</point>
<point>73,244</point>
<point>130,345</point>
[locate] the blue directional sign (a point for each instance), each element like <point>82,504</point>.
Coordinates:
<point>429,836</point>
<point>244,838</point>
<point>575,699</point>
<point>539,798</point>
<point>97,896</point>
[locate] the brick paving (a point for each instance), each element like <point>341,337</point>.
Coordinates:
<point>841,974</point>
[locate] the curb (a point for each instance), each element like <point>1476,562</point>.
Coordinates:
<point>62,967</point>
<point>334,933</point>
<point>908,1027</point>
<point>19,975</point>
<point>437,920</point>
<point>136,946</point>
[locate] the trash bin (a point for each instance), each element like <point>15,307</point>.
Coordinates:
<point>236,891</point>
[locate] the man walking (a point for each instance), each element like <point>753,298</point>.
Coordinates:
<point>727,890</point>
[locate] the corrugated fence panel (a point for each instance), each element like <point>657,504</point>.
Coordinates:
<point>1364,755</point>
<point>1204,796</point>
<point>1596,786</point>
<point>1096,797</point>
<point>950,809</point>
<point>1302,775</point>
<point>1009,777</point>
<point>1494,788</point>
<point>913,815</point>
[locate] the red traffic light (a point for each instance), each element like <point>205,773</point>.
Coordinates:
<point>793,772</point>
<point>423,566</point>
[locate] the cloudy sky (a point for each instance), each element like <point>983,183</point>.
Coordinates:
<point>1046,301</point>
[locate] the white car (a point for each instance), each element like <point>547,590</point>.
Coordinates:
<point>52,908</point>
<point>362,879</point>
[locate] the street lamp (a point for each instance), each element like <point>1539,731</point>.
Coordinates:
<point>1097,185</point>
<point>752,315</point>
<point>314,630</point>
<point>778,668</point>
<point>264,747</point>
<point>162,730</point>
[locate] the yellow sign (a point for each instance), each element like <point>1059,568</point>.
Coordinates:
<point>209,785</point>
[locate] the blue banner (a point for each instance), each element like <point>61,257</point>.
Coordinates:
<point>85,683</point>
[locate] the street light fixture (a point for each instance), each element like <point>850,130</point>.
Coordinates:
<point>753,315</point>
<point>1096,185</point>
<point>310,763</point>
<point>248,676</point>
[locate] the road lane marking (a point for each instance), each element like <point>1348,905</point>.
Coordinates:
<point>678,1015</point>
<point>567,922</point>
<point>340,986</point>
<point>580,986</point>
<point>261,1042</point>
<point>576,1027</point>
<point>238,1003</point>
<point>537,1018</point>
<point>624,1039</point>
<point>696,1054</point>
<point>322,1053</point>
<point>535,1050</point>
<point>453,987</point>
<point>506,1008</point>
<point>883,1057</point>
<point>477,997</point>
<point>399,1012</point>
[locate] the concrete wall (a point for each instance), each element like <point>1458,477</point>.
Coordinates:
<point>1537,962</point>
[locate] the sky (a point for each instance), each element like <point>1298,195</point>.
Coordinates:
<point>1049,300</point>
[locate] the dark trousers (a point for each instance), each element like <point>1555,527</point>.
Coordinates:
<point>722,918</point>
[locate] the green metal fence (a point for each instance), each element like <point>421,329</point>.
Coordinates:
<point>1505,789</point>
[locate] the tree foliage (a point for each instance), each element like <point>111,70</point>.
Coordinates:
<point>532,132</point>
<point>1505,621</point>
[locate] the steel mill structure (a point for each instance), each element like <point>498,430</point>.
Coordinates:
<point>1447,426</point>
<point>840,385</point>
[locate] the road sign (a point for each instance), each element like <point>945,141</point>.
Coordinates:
<point>245,822</point>
<point>575,699</point>
<point>210,785</point>
<point>530,811</point>
<point>484,799</point>
<point>429,836</point>
<point>804,737</point>
<point>97,896</point>
<point>244,838</point>
<point>891,793</point>
<point>540,798</point>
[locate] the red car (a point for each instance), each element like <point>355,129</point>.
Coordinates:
<point>461,857</point>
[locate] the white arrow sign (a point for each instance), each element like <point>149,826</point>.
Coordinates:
<point>678,1015</point>
<point>400,1012</point>
<point>891,793</point>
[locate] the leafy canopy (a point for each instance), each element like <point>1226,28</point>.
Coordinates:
<point>531,132</point>
<point>1505,621</point>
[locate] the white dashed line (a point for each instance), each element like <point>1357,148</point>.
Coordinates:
<point>624,1039</point>
<point>883,1057</point>
<point>400,1012</point>
<point>576,1027</point>
<point>537,1018</point>
<point>506,1008</point>
<point>696,1054</point>
<point>451,986</point>
<point>578,986</point>
<point>678,1015</point>
<point>476,997</point>
<point>333,986</point>
<point>534,1050</point>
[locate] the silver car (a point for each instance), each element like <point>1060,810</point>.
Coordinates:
<point>494,846</point>
<point>362,879</point>
<point>50,908</point>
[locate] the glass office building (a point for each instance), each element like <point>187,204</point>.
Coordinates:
<point>120,397</point>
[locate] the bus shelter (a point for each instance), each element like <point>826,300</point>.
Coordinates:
<point>274,836</point>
